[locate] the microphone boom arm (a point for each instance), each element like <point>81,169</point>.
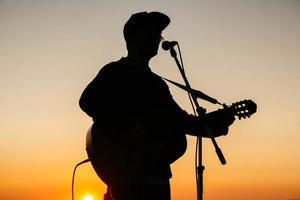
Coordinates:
<point>198,93</point>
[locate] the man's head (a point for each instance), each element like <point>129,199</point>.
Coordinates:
<point>142,32</point>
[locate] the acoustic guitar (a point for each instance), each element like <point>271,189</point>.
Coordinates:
<point>111,156</point>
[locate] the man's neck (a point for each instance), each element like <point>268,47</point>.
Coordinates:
<point>138,60</point>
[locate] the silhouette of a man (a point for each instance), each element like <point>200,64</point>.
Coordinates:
<point>138,129</point>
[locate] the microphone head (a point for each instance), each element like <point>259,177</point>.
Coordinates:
<point>167,45</point>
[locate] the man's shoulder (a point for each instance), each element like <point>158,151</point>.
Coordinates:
<point>119,66</point>
<point>113,65</point>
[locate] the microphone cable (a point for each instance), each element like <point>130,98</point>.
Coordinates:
<point>73,177</point>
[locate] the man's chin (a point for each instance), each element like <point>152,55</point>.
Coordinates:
<point>154,53</point>
<point>151,54</point>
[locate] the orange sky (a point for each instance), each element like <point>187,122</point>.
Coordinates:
<point>233,50</point>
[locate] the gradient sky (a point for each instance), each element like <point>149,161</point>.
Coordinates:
<point>233,50</point>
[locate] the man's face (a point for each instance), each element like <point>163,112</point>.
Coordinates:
<point>147,41</point>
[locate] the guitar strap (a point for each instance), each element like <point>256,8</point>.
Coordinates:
<point>198,93</point>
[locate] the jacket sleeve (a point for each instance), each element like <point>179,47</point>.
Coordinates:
<point>97,99</point>
<point>87,101</point>
<point>92,97</point>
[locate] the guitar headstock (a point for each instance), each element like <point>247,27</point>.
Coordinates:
<point>244,109</point>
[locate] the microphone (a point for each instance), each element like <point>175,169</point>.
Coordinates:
<point>167,45</point>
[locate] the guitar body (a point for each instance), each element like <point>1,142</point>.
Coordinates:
<point>128,160</point>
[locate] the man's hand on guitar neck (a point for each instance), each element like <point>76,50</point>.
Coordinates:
<point>219,122</point>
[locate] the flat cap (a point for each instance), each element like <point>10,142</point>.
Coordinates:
<point>153,20</point>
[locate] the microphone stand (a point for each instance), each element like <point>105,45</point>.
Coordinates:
<point>201,113</point>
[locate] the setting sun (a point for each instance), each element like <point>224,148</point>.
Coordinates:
<point>88,197</point>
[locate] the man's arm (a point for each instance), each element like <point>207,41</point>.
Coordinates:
<point>88,100</point>
<point>219,122</point>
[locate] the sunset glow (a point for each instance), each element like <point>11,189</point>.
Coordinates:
<point>88,197</point>
<point>232,50</point>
